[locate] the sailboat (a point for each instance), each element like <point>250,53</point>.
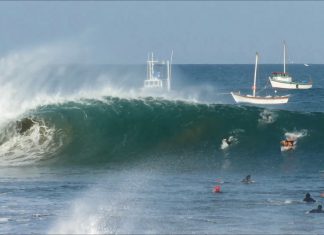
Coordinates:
<point>284,80</point>
<point>158,75</point>
<point>253,99</point>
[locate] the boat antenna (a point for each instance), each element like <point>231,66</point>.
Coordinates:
<point>152,65</point>
<point>148,69</point>
<point>284,56</point>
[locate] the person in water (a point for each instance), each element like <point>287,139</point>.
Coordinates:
<point>288,143</point>
<point>308,198</point>
<point>318,210</point>
<point>247,179</point>
<point>229,140</point>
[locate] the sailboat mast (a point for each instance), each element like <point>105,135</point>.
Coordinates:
<point>255,73</point>
<point>169,72</point>
<point>284,55</point>
<point>152,66</point>
<point>148,67</point>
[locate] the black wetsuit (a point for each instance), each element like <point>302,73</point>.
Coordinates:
<point>309,199</point>
<point>316,211</point>
<point>247,180</point>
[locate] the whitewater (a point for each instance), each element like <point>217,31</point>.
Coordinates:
<point>84,150</point>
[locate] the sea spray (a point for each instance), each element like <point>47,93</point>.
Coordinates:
<point>97,210</point>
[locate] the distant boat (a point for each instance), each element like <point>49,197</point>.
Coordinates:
<point>158,74</point>
<point>253,99</point>
<point>284,80</point>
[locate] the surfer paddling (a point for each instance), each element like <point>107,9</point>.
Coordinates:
<point>247,180</point>
<point>308,198</point>
<point>318,210</point>
<point>226,142</point>
<point>288,144</point>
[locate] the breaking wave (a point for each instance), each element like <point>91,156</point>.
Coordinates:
<point>123,130</point>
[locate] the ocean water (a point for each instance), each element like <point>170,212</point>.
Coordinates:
<point>84,150</point>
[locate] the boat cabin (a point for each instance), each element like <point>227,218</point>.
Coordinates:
<point>158,74</point>
<point>281,76</point>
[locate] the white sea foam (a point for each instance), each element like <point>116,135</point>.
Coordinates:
<point>228,142</point>
<point>267,117</point>
<point>295,135</point>
<point>36,143</point>
<point>232,139</point>
<point>4,219</point>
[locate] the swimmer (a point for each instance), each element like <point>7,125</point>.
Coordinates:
<point>247,180</point>
<point>318,210</point>
<point>308,198</point>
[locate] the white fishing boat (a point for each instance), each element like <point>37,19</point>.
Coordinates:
<point>254,99</point>
<point>284,80</point>
<point>158,75</point>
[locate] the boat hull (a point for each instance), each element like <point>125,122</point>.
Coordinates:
<point>289,85</point>
<point>259,100</point>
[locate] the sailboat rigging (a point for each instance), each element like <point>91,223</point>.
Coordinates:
<point>284,80</point>
<point>254,99</point>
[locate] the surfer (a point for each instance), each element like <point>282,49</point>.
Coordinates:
<point>229,140</point>
<point>268,118</point>
<point>308,198</point>
<point>24,125</point>
<point>226,142</point>
<point>247,180</point>
<point>288,143</point>
<point>318,210</point>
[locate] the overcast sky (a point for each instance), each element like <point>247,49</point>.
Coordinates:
<point>198,32</point>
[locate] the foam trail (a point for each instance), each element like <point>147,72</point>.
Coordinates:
<point>267,117</point>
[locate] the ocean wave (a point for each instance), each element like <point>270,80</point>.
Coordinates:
<point>116,129</point>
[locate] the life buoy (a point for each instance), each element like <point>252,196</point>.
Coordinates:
<point>217,189</point>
